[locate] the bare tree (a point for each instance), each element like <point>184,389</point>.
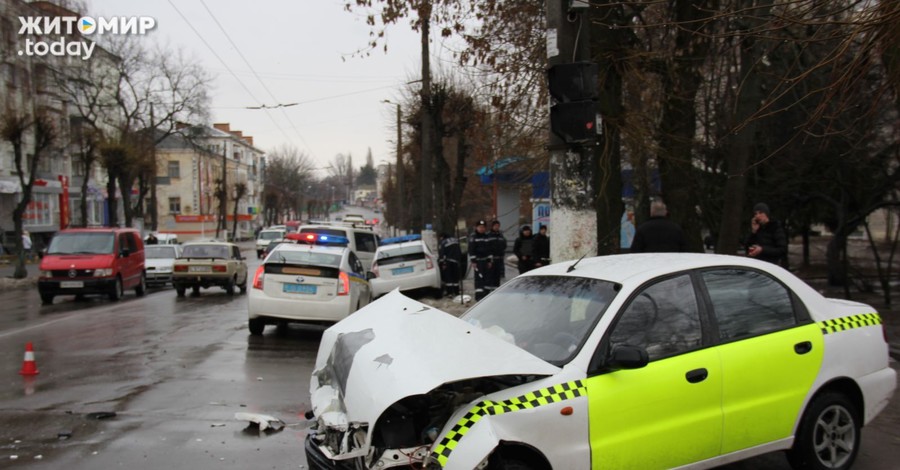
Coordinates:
<point>13,129</point>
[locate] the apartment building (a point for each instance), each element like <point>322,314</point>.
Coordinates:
<point>190,165</point>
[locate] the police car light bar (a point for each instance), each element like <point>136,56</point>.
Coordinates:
<point>401,239</point>
<point>318,239</point>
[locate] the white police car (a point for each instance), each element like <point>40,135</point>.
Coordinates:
<point>625,362</point>
<point>404,263</point>
<point>318,279</point>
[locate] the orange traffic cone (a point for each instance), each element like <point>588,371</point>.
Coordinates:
<point>29,367</point>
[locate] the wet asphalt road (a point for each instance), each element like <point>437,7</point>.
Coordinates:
<point>175,371</point>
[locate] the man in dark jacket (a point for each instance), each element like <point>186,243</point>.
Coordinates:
<point>767,240</point>
<point>448,258</point>
<point>524,250</point>
<point>658,234</point>
<point>498,253</point>
<point>480,255</point>
<point>541,247</point>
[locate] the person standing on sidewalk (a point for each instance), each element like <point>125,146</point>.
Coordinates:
<point>480,251</point>
<point>498,252</point>
<point>448,259</point>
<point>767,240</point>
<point>658,234</point>
<point>541,247</point>
<point>523,248</point>
<point>26,244</point>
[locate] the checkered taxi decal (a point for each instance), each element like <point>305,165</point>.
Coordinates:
<point>556,393</point>
<point>849,323</point>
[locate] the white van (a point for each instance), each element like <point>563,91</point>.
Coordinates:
<point>363,241</point>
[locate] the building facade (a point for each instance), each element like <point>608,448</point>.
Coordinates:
<point>189,171</point>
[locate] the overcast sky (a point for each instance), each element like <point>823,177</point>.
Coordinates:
<point>301,51</point>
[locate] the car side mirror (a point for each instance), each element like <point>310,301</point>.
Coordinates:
<point>126,252</point>
<point>627,357</point>
<point>370,275</point>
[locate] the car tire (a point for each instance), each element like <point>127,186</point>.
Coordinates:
<point>500,462</point>
<point>46,299</point>
<point>118,290</point>
<point>831,422</point>
<point>141,288</point>
<point>243,287</point>
<point>229,288</point>
<point>256,325</point>
<point>180,290</point>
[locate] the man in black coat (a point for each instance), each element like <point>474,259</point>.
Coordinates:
<point>524,250</point>
<point>541,247</point>
<point>767,240</point>
<point>449,256</point>
<point>658,234</point>
<point>498,253</point>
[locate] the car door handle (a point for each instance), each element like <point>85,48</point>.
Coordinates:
<point>696,375</point>
<point>803,348</point>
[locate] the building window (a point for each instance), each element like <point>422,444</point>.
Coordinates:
<point>174,170</point>
<point>40,210</point>
<point>174,205</point>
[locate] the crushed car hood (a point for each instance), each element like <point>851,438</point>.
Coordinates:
<point>397,347</point>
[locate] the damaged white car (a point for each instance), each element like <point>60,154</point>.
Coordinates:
<point>631,361</point>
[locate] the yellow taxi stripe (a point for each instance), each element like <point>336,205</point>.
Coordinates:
<point>849,323</point>
<point>545,396</point>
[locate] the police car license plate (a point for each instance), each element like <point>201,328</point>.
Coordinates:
<point>299,288</point>
<point>71,284</point>
<point>405,270</point>
<point>199,269</point>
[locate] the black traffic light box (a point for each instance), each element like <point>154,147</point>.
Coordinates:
<point>573,82</point>
<point>574,87</point>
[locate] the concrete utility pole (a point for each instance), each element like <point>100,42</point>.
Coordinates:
<point>573,221</point>
<point>401,223</point>
<point>427,127</point>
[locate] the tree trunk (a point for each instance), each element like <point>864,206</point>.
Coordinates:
<point>83,205</point>
<point>112,210</point>
<point>427,193</point>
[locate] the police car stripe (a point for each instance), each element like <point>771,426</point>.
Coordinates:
<point>545,396</point>
<point>849,323</point>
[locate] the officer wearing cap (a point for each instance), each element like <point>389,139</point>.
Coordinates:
<point>480,256</point>
<point>767,240</point>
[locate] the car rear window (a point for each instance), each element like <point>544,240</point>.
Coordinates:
<point>82,243</point>
<point>159,252</point>
<point>307,258</point>
<point>400,254</point>
<point>205,251</point>
<point>273,235</point>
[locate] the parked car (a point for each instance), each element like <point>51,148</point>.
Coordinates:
<point>319,279</point>
<point>265,237</point>
<point>160,260</point>
<point>629,361</point>
<point>82,261</point>
<point>363,241</point>
<point>209,264</point>
<point>404,263</point>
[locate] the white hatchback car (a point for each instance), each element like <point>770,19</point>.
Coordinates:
<point>663,360</point>
<point>317,280</point>
<point>404,263</point>
<point>159,260</point>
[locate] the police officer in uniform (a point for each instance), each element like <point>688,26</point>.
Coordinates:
<point>498,252</point>
<point>480,256</point>
<point>448,258</point>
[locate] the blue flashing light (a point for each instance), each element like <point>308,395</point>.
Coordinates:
<point>401,239</point>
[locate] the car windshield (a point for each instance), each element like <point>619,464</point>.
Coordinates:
<point>205,251</point>
<point>159,252</point>
<point>548,316</point>
<point>83,243</point>
<point>273,235</point>
<point>306,258</point>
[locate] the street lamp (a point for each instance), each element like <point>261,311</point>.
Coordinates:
<point>399,190</point>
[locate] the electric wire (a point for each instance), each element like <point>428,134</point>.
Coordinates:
<point>225,64</point>
<point>253,70</point>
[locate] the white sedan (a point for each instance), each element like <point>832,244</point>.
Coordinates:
<point>159,261</point>
<point>624,362</point>
<point>314,283</point>
<point>404,263</point>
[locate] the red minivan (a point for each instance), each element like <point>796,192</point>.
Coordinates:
<point>93,261</point>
